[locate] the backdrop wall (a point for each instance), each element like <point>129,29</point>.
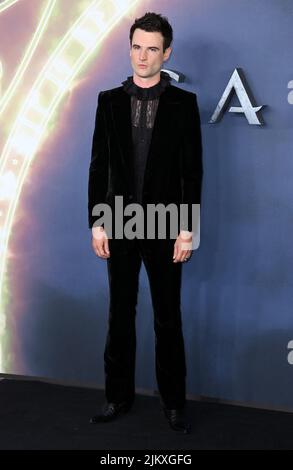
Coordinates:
<point>237,289</point>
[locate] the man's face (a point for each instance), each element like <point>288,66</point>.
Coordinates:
<point>147,50</point>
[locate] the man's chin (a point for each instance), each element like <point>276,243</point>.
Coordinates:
<point>142,72</point>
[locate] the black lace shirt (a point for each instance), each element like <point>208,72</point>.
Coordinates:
<point>144,104</point>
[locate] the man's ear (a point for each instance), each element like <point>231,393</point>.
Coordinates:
<point>167,53</point>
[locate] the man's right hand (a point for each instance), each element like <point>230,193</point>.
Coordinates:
<point>100,242</point>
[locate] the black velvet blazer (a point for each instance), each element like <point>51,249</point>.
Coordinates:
<point>173,171</point>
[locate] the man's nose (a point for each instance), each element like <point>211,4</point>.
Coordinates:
<point>142,55</point>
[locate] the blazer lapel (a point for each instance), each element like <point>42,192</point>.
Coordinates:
<point>121,114</point>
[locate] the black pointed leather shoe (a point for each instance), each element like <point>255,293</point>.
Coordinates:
<point>177,420</point>
<point>111,411</point>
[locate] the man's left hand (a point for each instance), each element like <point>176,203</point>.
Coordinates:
<point>183,247</point>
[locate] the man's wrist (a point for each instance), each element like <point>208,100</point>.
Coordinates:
<point>98,231</point>
<point>186,234</point>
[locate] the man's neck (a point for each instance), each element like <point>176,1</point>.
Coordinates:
<point>146,82</point>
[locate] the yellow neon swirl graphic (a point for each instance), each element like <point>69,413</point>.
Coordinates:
<point>31,124</point>
<point>6,4</point>
<point>28,55</point>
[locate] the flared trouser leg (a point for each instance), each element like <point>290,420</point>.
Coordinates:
<point>120,348</point>
<point>165,284</point>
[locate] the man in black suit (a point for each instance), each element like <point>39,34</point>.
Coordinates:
<point>147,149</point>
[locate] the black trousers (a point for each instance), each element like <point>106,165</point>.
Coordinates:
<point>120,351</point>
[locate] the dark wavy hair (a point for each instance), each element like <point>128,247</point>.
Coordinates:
<point>154,22</point>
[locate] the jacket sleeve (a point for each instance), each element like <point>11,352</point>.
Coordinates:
<point>98,170</point>
<point>191,160</point>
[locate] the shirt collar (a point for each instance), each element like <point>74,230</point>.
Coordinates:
<point>147,93</point>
